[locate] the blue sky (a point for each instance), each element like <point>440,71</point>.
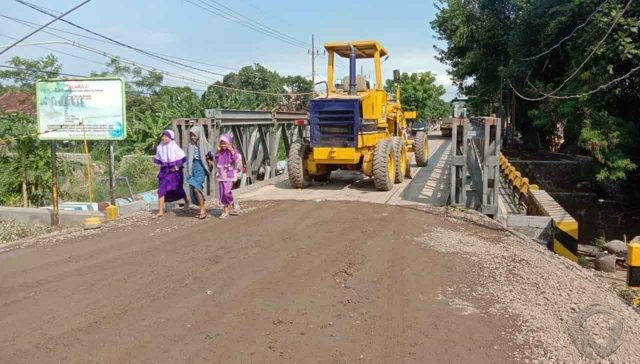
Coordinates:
<point>179,28</point>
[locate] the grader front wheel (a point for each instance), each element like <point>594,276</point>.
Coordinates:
<point>297,165</point>
<point>400,154</point>
<point>384,166</point>
<point>421,148</point>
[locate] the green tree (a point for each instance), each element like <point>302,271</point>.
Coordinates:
<point>25,162</point>
<point>138,81</point>
<point>419,92</point>
<point>258,78</point>
<point>150,115</point>
<point>27,71</point>
<point>494,44</point>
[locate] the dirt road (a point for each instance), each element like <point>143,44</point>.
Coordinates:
<point>307,282</point>
<point>330,282</point>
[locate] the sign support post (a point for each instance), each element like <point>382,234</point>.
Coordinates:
<point>54,184</point>
<point>112,175</point>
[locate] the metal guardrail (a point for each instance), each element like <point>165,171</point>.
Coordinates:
<point>538,202</point>
<point>518,186</point>
<point>474,171</point>
<point>256,135</point>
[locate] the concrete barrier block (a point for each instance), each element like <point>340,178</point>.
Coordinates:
<point>26,215</point>
<point>133,207</point>
<point>44,216</point>
<point>540,222</point>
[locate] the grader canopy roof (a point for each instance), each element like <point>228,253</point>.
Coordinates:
<point>364,48</point>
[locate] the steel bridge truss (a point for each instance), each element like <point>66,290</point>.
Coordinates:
<point>256,135</point>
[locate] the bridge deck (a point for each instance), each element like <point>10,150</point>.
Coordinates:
<point>430,184</point>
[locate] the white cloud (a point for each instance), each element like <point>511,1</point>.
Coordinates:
<point>443,79</point>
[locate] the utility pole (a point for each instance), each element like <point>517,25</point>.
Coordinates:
<point>313,60</point>
<point>313,52</point>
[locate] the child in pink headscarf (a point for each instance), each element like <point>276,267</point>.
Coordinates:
<point>229,163</point>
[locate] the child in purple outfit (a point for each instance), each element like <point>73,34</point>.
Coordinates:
<point>229,163</point>
<point>170,158</point>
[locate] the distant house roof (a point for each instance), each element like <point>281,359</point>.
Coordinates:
<point>18,102</point>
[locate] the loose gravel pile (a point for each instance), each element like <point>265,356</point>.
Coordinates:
<point>11,230</point>
<point>565,313</point>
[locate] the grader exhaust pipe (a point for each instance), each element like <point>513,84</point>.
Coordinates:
<point>352,70</point>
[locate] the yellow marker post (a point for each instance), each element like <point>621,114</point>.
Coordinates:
<point>111,212</point>
<point>633,263</point>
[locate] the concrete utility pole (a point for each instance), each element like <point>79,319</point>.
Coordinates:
<point>314,53</point>
<point>313,60</point>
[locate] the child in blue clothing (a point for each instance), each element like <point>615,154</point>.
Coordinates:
<point>199,159</point>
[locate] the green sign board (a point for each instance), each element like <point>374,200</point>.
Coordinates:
<point>91,108</point>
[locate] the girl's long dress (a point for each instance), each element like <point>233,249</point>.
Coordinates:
<point>170,183</point>
<point>197,177</point>
<point>228,165</point>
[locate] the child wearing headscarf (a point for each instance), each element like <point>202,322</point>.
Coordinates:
<point>229,164</point>
<point>170,158</point>
<point>199,157</point>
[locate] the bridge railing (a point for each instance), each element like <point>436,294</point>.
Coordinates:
<point>538,202</point>
<point>256,136</point>
<point>517,185</point>
<point>474,171</point>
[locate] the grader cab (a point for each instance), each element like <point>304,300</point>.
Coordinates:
<point>357,127</point>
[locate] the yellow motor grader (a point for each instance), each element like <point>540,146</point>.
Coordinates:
<point>356,127</point>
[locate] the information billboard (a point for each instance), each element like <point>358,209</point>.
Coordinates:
<point>74,109</point>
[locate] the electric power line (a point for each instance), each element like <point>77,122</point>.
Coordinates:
<point>55,18</point>
<point>72,42</point>
<point>150,54</point>
<point>56,51</point>
<point>213,10</point>
<point>597,89</point>
<point>178,77</point>
<point>157,57</point>
<point>264,12</point>
<point>253,21</point>
<point>24,69</point>
<point>100,52</point>
<point>26,22</point>
<point>593,51</point>
<point>568,36</point>
<point>142,66</point>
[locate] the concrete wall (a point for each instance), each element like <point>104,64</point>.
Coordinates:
<point>44,216</point>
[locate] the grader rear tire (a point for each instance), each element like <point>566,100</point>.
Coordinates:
<point>384,165</point>
<point>421,148</point>
<point>400,154</point>
<point>297,165</point>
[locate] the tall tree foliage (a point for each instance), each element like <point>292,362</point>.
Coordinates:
<point>419,92</point>
<point>258,78</point>
<point>492,44</point>
<point>26,71</point>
